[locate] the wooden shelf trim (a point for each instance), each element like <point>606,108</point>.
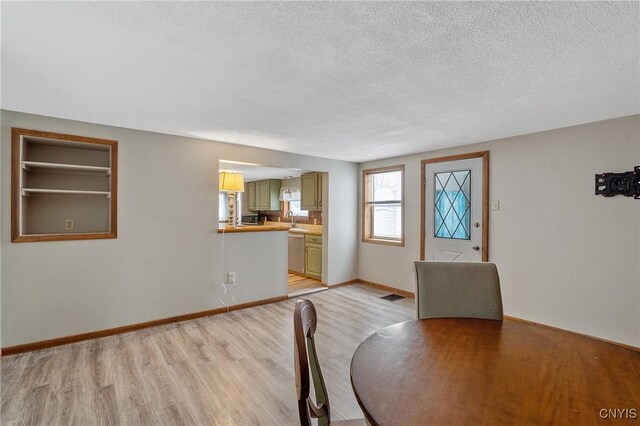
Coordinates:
<point>27,191</point>
<point>21,164</point>
<point>74,167</point>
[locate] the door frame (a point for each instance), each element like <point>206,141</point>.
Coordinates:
<point>485,197</point>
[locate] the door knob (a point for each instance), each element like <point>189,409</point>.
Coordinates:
<point>476,248</point>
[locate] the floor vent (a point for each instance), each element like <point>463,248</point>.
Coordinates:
<point>392,297</point>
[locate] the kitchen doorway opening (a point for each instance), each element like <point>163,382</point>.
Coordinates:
<point>275,199</point>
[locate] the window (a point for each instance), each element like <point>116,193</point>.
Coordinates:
<point>452,205</point>
<point>294,206</point>
<point>223,206</point>
<point>382,208</point>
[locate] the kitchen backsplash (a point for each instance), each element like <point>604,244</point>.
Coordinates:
<point>281,216</point>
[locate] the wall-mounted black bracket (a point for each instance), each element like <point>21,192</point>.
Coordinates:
<point>611,184</point>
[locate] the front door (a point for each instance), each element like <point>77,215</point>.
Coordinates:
<point>453,210</point>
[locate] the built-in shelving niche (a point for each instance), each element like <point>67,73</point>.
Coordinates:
<point>57,178</point>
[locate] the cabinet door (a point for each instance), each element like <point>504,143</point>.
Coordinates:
<point>263,196</point>
<point>274,194</point>
<point>319,190</point>
<point>313,261</point>
<point>251,195</point>
<point>309,191</point>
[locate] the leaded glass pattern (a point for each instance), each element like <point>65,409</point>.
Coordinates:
<point>452,205</point>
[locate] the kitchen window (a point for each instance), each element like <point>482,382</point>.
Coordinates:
<point>223,206</point>
<point>294,206</point>
<point>383,205</point>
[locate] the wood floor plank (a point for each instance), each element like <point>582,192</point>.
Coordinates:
<point>144,415</point>
<point>105,406</point>
<point>34,405</point>
<point>229,369</point>
<point>162,391</point>
<point>37,372</point>
<point>67,404</point>
<point>195,389</point>
<point>12,367</point>
<point>243,409</point>
<point>174,415</point>
<point>131,392</point>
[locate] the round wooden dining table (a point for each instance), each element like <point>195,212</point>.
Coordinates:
<point>486,372</point>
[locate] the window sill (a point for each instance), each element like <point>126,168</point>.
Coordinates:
<point>398,243</point>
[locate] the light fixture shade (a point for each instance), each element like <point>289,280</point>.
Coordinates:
<point>231,182</point>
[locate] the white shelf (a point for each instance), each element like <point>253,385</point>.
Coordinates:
<point>63,177</point>
<point>75,167</point>
<point>27,191</point>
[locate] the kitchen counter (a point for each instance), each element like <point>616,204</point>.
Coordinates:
<point>304,231</point>
<point>272,226</point>
<point>251,228</point>
<point>300,228</point>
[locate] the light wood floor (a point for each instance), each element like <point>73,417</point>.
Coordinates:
<point>298,285</point>
<point>233,368</point>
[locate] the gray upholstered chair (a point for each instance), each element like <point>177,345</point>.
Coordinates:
<point>457,290</point>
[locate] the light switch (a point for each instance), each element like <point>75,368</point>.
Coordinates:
<point>495,205</point>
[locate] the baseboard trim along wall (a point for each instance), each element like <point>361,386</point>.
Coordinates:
<point>410,295</point>
<point>44,344</point>
<point>343,283</point>
<point>390,289</point>
<point>633,348</point>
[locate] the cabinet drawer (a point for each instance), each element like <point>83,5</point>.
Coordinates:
<point>313,239</point>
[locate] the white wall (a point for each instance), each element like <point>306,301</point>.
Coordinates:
<point>260,261</point>
<point>566,257</point>
<point>167,259</point>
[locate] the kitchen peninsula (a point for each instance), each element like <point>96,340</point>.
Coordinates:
<point>254,263</point>
<point>266,250</point>
<point>262,202</point>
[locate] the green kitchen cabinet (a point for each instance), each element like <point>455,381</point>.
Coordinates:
<point>250,195</point>
<point>266,195</point>
<point>311,191</point>
<point>313,256</point>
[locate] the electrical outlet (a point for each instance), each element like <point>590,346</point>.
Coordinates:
<point>69,224</point>
<point>231,277</point>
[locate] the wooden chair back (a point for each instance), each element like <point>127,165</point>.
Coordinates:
<point>305,322</point>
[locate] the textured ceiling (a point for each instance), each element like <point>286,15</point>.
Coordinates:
<point>353,81</point>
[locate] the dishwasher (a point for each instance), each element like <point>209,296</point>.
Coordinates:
<point>296,253</point>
